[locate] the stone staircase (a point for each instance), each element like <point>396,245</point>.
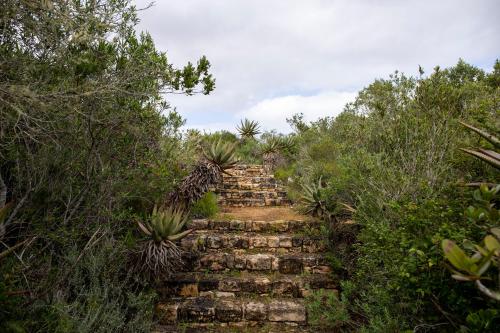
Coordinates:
<point>246,275</point>
<point>251,185</point>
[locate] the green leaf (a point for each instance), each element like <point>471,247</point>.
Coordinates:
<point>491,243</point>
<point>455,255</point>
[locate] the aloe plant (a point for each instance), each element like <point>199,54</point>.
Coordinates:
<point>248,129</point>
<point>206,174</point>
<point>311,201</point>
<point>159,255</point>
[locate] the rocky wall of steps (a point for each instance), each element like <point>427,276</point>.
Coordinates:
<point>245,276</point>
<point>251,186</point>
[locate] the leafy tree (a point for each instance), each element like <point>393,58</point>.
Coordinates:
<point>87,140</point>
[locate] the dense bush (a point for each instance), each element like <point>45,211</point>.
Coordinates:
<point>393,155</point>
<point>206,207</point>
<point>87,143</point>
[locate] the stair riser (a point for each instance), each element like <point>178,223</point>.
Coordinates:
<point>285,264</point>
<point>254,202</point>
<point>248,187</point>
<point>206,310</point>
<point>253,195</point>
<point>280,244</point>
<point>243,287</point>
<point>253,226</point>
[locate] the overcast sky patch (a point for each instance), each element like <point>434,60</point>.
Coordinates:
<point>273,58</point>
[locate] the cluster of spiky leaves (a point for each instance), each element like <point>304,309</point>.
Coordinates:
<point>160,256</point>
<point>165,224</point>
<point>311,201</point>
<point>489,156</point>
<point>221,154</point>
<point>248,128</point>
<point>205,175</point>
<point>275,144</point>
<point>271,150</point>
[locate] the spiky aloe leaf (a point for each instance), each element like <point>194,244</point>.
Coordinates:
<point>144,229</point>
<point>222,154</point>
<point>490,137</point>
<point>248,129</point>
<point>165,224</point>
<point>488,156</point>
<point>180,235</point>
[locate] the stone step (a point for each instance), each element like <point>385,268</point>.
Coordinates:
<point>249,186</point>
<point>252,194</point>
<point>240,285</point>
<point>235,327</point>
<point>255,226</point>
<point>205,240</point>
<point>247,202</point>
<point>242,260</point>
<point>234,179</point>
<point>231,310</point>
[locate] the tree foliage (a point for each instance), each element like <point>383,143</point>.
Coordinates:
<point>394,157</point>
<point>86,140</point>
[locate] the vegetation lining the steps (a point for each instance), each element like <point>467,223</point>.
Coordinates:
<point>88,145</point>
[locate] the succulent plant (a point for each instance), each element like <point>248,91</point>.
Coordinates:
<point>159,255</point>
<point>165,224</point>
<point>222,155</point>
<point>248,129</point>
<point>205,175</point>
<point>272,145</point>
<point>311,201</point>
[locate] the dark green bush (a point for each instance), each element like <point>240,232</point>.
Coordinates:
<point>87,143</point>
<point>206,207</point>
<point>393,155</point>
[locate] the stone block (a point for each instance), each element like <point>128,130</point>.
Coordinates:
<point>259,262</point>
<point>258,285</point>
<point>258,241</point>
<point>200,309</point>
<point>166,313</point>
<point>228,311</point>
<point>288,311</point>
<point>214,242</point>
<point>237,225</point>
<point>229,284</point>
<point>285,286</point>
<point>291,265</point>
<point>255,311</point>
<point>199,224</point>
<point>286,241</point>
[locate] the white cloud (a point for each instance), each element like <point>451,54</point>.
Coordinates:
<point>272,113</point>
<point>261,49</point>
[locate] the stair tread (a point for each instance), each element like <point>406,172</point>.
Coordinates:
<point>248,275</point>
<point>235,328</point>
<point>210,310</point>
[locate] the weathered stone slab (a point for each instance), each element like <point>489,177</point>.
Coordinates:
<point>228,310</point>
<point>286,311</point>
<point>255,311</point>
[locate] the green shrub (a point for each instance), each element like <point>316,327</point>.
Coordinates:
<point>326,310</point>
<point>206,207</point>
<point>393,154</point>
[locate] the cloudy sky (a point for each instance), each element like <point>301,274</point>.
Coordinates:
<point>274,58</point>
